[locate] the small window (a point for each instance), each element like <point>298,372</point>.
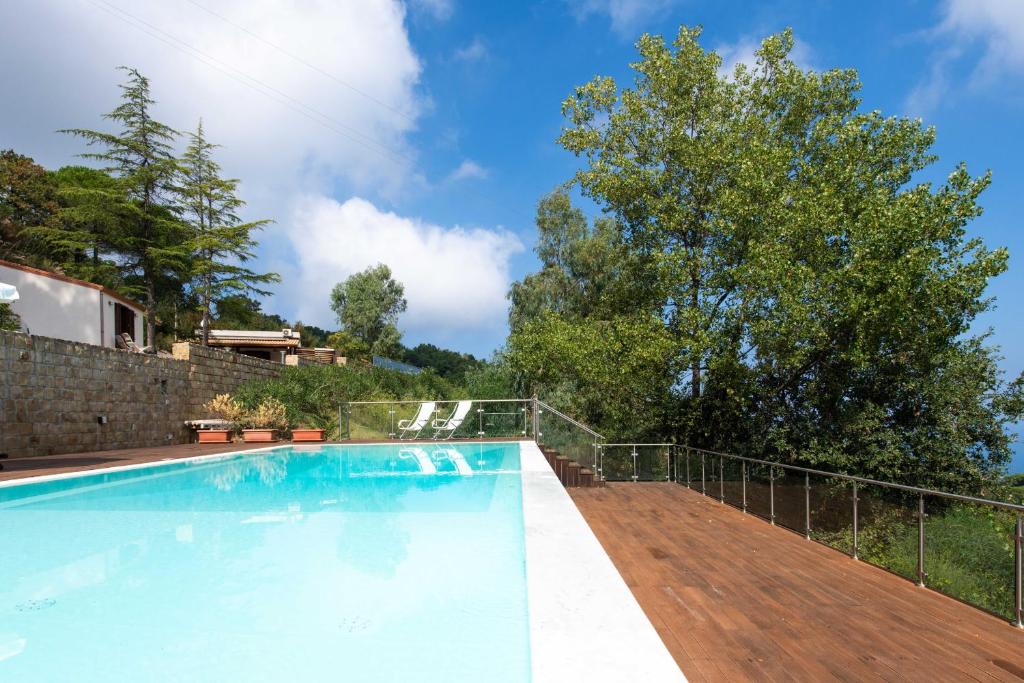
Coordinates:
<point>124,321</point>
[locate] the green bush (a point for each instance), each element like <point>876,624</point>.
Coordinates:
<point>313,394</point>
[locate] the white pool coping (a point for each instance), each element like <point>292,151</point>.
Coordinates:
<point>585,624</point>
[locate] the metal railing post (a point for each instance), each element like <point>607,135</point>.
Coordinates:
<point>635,476</point>
<point>703,479</point>
<point>920,540</point>
<point>391,416</point>
<point>668,464</point>
<point>687,467</point>
<point>1018,557</point>
<point>743,475</point>
<point>721,479</point>
<point>807,505</point>
<point>856,545</point>
<point>771,493</point>
<point>675,464</point>
<point>480,414</point>
<point>536,420</point>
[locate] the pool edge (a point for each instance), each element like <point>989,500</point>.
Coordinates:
<point>581,629</point>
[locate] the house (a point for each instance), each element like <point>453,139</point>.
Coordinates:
<point>275,345</point>
<point>55,305</point>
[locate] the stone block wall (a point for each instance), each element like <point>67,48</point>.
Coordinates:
<point>67,397</point>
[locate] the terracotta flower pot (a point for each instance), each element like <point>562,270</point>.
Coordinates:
<point>259,435</point>
<point>214,435</point>
<point>307,434</point>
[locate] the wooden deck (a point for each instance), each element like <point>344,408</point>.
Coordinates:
<point>734,598</point>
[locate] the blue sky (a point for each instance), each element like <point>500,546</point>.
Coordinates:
<point>422,134</point>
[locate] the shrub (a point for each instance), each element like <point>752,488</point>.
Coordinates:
<point>226,408</point>
<point>313,394</point>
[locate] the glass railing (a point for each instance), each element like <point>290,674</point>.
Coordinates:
<point>569,437</point>
<point>440,420</point>
<point>636,461</point>
<point>966,547</point>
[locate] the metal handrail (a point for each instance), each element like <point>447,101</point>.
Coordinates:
<point>443,400</point>
<point>921,513</point>
<point>864,480</point>
<point>565,417</point>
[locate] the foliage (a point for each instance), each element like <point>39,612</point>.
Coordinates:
<point>807,300</point>
<point>153,243</point>
<point>623,361</point>
<point>239,312</point>
<point>448,364</point>
<point>220,242</point>
<point>313,394</point>
<point>9,320</point>
<point>270,413</point>
<point>368,305</point>
<point>968,549</point>
<point>226,408</point>
<point>28,201</point>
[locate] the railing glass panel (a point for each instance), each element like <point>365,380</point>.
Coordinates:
<point>567,436</point>
<point>969,553</point>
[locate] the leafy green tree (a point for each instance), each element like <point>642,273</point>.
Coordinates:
<point>239,312</point>
<point>348,345</point>
<point>445,362</point>
<point>9,320</point>
<point>584,269</point>
<point>816,299</point>
<point>28,201</point>
<point>153,242</point>
<point>220,242</point>
<point>368,305</point>
<point>89,234</point>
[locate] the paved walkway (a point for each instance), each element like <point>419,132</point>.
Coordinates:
<point>737,599</point>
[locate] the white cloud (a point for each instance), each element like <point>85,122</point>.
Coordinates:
<point>743,51</point>
<point>441,10</point>
<point>473,52</point>
<point>468,169</point>
<point>627,16</point>
<point>282,124</point>
<point>996,25</point>
<point>454,277</point>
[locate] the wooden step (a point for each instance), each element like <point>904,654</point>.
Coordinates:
<point>572,474</point>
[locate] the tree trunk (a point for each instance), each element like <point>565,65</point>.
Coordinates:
<point>150,314</point>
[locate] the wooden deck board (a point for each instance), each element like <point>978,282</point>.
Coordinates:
<point>735,598</point>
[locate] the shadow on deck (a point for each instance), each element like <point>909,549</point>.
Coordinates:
<point>735,598</point>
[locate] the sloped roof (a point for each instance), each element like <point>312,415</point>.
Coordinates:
<point>74,281</point>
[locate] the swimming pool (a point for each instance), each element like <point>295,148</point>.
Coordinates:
<point>352,563</point>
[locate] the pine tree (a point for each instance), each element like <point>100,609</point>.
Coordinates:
<point>153,243</point>
<point>220,241</point>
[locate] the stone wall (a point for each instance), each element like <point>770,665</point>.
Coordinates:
<point>67,397</point>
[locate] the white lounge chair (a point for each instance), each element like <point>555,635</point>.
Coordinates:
<point>457,459</point>
<point>453,421</point>
<point>425,463</point>
<point>417,424</point>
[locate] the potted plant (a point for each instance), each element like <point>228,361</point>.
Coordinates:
<point>229,412</point>
<point>307,434</point>
<point>262,425</point>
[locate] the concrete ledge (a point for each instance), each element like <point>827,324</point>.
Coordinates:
<point>585,624</point>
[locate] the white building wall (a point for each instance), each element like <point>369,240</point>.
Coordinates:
<point>64,310</point>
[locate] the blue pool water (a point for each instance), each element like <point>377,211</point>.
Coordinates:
<point>355,563</point>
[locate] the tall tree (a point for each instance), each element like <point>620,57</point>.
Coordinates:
<point>220,241</point>
<point>819,298</point>
<point>28,202</point>
<point>154,243</point>
<point>368,305</point>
